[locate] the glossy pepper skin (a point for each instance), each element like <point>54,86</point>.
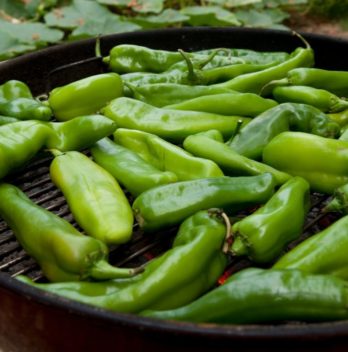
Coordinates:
<point>340,117</point>
<point>319,98</point>
<point>19,143</point>
<point>14,89</point>
<point>79,133</point>
<point>177,277</point>
<point>4,120</point>
<point>232,163</point>
<point>128,168</point>
<point>252,139</point>
<point>263,235</point>
<point>257,296</point>
<point>322,253</point>
<point>95,199</point>
<point>153,211</point>
<point>63,253</point>
<point>85,96</point>
<point>173,125</point>
<point>242,104</point>
<point>166,156</point>
<point>323,162</point>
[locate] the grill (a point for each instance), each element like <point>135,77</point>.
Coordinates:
<point>36,321</point>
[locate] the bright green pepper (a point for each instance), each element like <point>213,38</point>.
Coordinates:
<point>4,120</point>
<point>322,253</point>
<point>128,168</point>
<point>177,277</point>
<point>242,104</point>
<point>20,142</point>
<point>339,202</point>
<point>166,156</point>
<point>323,162</point>
<point>252,139</point>
<point>340,117</point>
<point>257,296</point>
<point>232,163</point>
<point>173,125</point>
<point>63,253</point>
<point>95,199</point>
<point>79,133</point>
<point>153,210</point>
<point>263,235</point>
<point>14,89</point>
<point>319,98</point>
<point>85,96</point>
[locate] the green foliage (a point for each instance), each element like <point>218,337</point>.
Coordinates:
<point>329,8</point>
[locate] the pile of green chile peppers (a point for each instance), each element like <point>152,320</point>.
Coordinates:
<point>257,134</point>
<point>166,156</point>
<point>257,296</point>
<point>153,210</point>
<point>95,199</point>
<point>323,162</point>
<point>263,235</point>
<point>129,169</point>
<point>184,272</point>
<point>63,253</point>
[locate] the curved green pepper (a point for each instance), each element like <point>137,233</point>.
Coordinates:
<point>173,125</point>
<point>256,296</point>
<point>63,253</point>
<point>128,168</point>
<point>319,98</point>
<point>232,163</point>
<point>85,96</point>
<point>263,235</point>
<point>166,156</point>
<point>4,120</point>
<point>95,199</point>
<point>177,277</point>
<point>340,117</point>
<point>14,89</point>
<point>322,253</point>
<point>252,139</point>
<point>153,210</point>
<point>323,162</point>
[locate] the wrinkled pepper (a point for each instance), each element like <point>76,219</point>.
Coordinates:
<point>263,235</point>
<point>323,162</point>
<point>340,117</point>
<point>168,281</point>
<point>128,168</point>
<point>258,296</point>
<point>173,125</point>
<point>322,253</point>
<point>63,253</point>
<point>153,210</point>
<point>339,201</point>
<point>166,156</point>
<point>85,96</point>
<point>232,163</point>
<point>252,139</point>
<point>95,199</point>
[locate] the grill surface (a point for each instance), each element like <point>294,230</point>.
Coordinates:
<point>36,317</point>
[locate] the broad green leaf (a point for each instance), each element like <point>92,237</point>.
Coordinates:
<point>209,16</point>
<point>262,19</point>
<point>141,6</point>
<point>234,3</point>
<point>167,18</point>
<point>20,9</point>
<point>23,37</point>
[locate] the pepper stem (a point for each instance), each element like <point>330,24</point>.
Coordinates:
<point>236,131</point>
<point>229,236</point>
<point>191,76</point>
<point>304,41</point>
<point>55,152</point>
<point>102,270</point>
<point>267,88</point>
<point>97,47</point>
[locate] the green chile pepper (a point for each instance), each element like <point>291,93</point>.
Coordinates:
<point>63,253</point>
<point>166,156</point>
<point>14,89</point>
<point>322,253</point>
<point>128,168</point>
<point>252,139</point>
<point>79,133</point>
<point>85,96</point>
<point>153,210</point>
<point>95,199</point>
<point>257,296</point>
<point>242,104</point>
<point>20,142</point>
<point>163,94</point>
<point>173,125</point>
<point>4,120</point>
<point>232,163</point>
<point>319,98</point>
<point>263,235</point>
<point>339,202</point>
<point>323,162</point>
<point>340,117</point>
<point>168,281</point>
